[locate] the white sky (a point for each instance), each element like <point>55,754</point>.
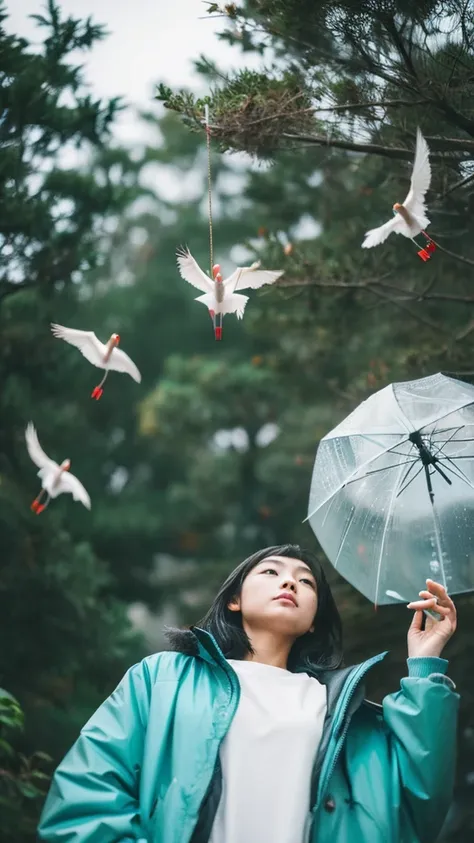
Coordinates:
<point>149,41</point>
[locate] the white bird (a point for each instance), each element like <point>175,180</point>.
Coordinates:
<point>220,296</point>
<point>106,356</point>
<point>55,479</point>
<point>410,217</point>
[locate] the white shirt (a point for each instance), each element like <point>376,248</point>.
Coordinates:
<point>267,756</point>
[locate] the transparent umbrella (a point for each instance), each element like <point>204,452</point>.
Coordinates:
<point>392,492</point>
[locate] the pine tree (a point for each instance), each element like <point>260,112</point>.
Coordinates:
<point>335,113</point>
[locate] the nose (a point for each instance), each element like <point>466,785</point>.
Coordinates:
<point>288,584</point>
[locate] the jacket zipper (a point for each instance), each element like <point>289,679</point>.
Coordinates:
<point>354,681</point>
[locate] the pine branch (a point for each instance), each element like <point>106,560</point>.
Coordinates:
<point>465,332</point>
<point>408,295</point>
<point>457,185</point>
<point>453,255</point>
<point>352,106</point>
<point>424,320</point>
<point>375,149</point>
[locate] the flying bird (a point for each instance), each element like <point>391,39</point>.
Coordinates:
<point>220,295</point>
<point>107,356</point>
<point>55,479</point>
<point>410,217</point>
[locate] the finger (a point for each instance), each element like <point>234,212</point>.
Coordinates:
<point>425,603</point>
<point>432,603</point>
<point>436,588</point>
<point>428,595</point>
<point>441,593</point>
<point>417,622</point>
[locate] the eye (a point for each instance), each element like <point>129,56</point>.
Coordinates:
<point>272,570</point>
<point>310,582</point>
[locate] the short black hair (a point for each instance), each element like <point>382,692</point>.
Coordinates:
<point>321,648</point>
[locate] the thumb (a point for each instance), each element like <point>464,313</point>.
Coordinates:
<point>416,624</point>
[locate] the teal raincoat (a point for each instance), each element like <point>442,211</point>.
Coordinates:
<point>146,766</point>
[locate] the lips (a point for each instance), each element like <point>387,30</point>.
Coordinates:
<point>287,597</point>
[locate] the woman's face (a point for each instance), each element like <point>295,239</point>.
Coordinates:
<point>263,605</point>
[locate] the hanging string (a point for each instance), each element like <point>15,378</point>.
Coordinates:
<point>209,184</point>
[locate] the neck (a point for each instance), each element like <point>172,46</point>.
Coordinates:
<point>404,213</point>
<point>269,648</point>
<point>109,349</point>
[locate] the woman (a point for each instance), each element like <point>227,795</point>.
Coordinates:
<point>251,732</point>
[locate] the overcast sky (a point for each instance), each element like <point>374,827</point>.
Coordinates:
<point>149,41</point>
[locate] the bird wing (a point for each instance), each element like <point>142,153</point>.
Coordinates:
<point>86,341</point>
<point>35,450</point>
<point>420,180</point>
<point>121,362</point>
<point>378,235</point>
<point>190,270</point>
<point>250,277</point>
<point>69,483</point>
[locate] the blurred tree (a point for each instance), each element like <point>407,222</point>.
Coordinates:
<point>68,639</point>
<point>335,111</point>
<point>211,456</point>
<point>22,780</point>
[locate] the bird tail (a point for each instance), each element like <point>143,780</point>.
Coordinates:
<point>208,299</point>
<point>235,303</point>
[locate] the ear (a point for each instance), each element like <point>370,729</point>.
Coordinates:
<point>234,605</point>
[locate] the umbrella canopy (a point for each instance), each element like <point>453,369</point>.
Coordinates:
<point>392,492</point>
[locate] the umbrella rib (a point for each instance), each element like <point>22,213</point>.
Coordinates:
<point>456,429</point>
<point>461,475</point>
<point>345,482</point>
<point>385,530</point>
<point>456,442</point>
<point>407,424</point>
<point>447,429</point>
<point>454,409</point>
<point>383,468</point>
<point>410,481</point>
<point>460,457</point>
<point>438,543</point>
<point>344,535</point>
<point>445,457</point>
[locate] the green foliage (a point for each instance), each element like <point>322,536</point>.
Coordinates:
<point>256,110</point>
<point>47,212</point>
<point>343,321</point>
<point>23,782</point>
<point>68,636</point>
<point>211,455</point>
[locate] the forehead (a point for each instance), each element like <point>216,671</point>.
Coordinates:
<point>289,562</point>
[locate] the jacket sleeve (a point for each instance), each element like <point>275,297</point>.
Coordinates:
<point>94,792</point>
<point>422,721</point>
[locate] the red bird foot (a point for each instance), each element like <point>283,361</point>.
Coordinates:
<point>212,313</point>
<point>430,246</point>
<point>97,392</point>
<point>37,507</point>
<point>423,254</point>
<point>218,333</point>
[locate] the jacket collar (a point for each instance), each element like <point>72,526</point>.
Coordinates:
<point>209,650</point>
<point>207,647</point>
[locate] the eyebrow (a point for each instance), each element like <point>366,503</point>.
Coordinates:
<point>303,568</point>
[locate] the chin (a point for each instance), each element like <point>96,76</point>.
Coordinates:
<point>280,621</point>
